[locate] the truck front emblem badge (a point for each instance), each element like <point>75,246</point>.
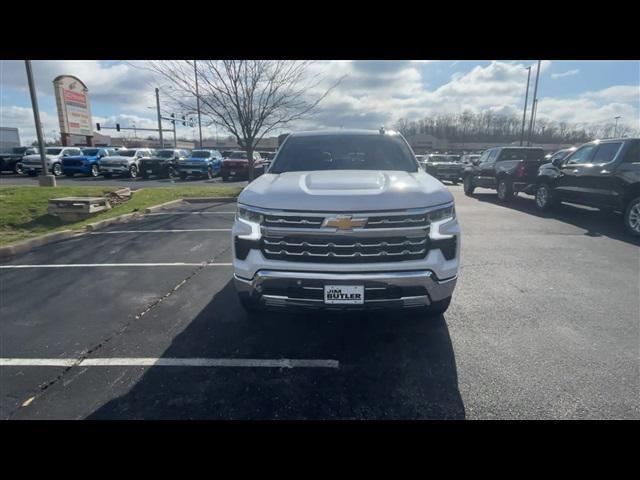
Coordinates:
<point>344,222</point>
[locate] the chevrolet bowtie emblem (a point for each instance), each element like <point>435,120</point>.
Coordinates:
<point>344,222</point>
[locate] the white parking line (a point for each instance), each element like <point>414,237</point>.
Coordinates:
<point>78,265</point>
<point>171,362</point>
<point>191,213</point>
<point>164,231</point>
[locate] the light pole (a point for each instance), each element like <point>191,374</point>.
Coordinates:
<point>195,70</point>
<point>159,117</point>
<point>615,130</point>
<point>44,180</point>
<point>526,99</point>
<point>535,101</point>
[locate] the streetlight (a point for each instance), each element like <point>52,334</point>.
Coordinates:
<point>615,130</point>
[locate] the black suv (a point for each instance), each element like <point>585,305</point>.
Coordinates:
<point>12,159</point>
<point>604,174</point>
<point>507,169</point>
<point>163,164</point>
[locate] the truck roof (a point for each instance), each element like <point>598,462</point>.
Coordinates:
<point>318,133</point>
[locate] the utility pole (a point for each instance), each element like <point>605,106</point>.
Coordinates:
<point>195,70</point>
<point>159,117</point>
<point>615,130</point>
<point>526,99</point>
<point>173,121</point>
<point>535,101</point>
<point>44,180</point>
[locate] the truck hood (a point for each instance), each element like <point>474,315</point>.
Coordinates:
<point>345,190</point>
<point>81,157</point>
<point>444,164</point>
<point>116,158</point>
<point>36,157</point>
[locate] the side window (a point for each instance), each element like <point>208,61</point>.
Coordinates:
<point>606,152</point>
<point>581,156</point>
<point>483,157</point>
<point>492,156</point>
<point>633,153</point>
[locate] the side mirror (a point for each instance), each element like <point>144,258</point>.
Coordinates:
<point>475,162</point>
<point>557,162</point>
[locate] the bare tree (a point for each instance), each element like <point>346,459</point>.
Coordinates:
<point>248,98</point>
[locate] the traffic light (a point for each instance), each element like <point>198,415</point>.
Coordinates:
<point>117,126</point>
<point>98,126</point>
<point>184,121</point>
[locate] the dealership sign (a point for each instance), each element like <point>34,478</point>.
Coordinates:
<point>72,100</point>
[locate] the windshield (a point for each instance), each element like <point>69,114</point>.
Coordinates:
<point>90,152</point>
<point>200,154</point>
<point>345,152</point>
<point>437,158</point>
<point>53,151</point>
<point>126,153</point>
<point>18,150</point>
<point>165,154</point>
<point>522,154</point>
<point>237,155</point>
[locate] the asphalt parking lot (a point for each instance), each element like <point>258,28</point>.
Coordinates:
<point>544,324</point>
<point>10,179</point>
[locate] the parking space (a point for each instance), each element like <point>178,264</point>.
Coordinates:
<point>520,340</point>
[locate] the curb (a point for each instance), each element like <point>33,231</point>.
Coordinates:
<point>29,244</point>
<point>210,199</point>
<point>162,205</point>
<point>124,218</point>
<point>26,245</point>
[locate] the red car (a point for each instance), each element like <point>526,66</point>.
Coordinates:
<point>236,165</point>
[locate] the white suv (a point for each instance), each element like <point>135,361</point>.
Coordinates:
<point>124,162</point>
<point>31,164</point>
<point>346,219</point>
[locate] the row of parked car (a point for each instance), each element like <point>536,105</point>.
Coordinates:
<point>135,162</point>
<point>604,174</point>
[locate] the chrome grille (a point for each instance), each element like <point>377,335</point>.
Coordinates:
<point>292,221</point>
<point>344,249</point>
<point>374,221</point>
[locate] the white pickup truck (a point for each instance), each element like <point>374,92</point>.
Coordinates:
<point>345,220</point>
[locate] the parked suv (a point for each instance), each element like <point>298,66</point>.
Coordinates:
<point>31,164</point>
<point>163,163</point>
<point>88,163</point>
<point>200,163</point>
<point>11,160</point>
<point>444,167</point>
<point>236,165</point>
<point>508,170</point>
<point>345,219</point>
<point>124,162</point>
<point>603,174</point>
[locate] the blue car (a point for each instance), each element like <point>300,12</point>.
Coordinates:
<point>202,163</point>
<point>88,163</point>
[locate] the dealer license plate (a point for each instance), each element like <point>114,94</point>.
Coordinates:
<point>344,294</point>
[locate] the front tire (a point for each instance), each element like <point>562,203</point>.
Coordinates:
<point>505,190</point>
<point>545,197</point>
<point>467,185</point>
<point>95,171</point>
<point>249,306</point>
<point>632,217</point>
<point>56,169</point>
<point>437,308</point>
<point>17,168</point>
<point>133,171</point>
<point>209,173</point>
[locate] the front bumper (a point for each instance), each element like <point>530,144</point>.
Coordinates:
<point>114,169</point>
<point>396,289</point>
<point>86,169</point>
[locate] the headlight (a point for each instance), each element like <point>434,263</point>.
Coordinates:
<point>249,215</point>
<point>442,214</point>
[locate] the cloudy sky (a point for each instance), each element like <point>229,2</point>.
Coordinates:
<point>371,94</point>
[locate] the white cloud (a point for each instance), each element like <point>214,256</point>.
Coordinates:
<point>568,73</point>
<point>372,93</point>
